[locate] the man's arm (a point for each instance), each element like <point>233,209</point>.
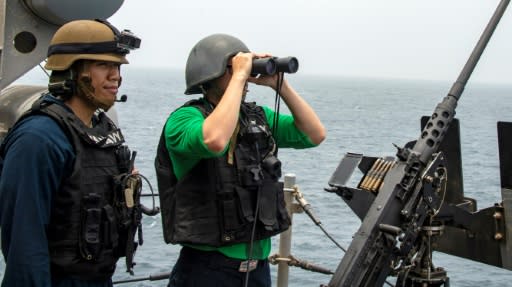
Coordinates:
<point>38,156</point>
<point>221,123</point>
<point>305,117</point>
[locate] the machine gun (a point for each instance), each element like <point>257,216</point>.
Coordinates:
<point>405,203</point>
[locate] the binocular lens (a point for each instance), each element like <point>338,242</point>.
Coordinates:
<point>270,66</point>
<point>263,66</point>
<point>287,65</point>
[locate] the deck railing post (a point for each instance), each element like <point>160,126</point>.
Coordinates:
<point>285,238</point>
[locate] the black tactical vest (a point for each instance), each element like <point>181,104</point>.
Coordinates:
<point>84,238</point>
<point>220,199</point>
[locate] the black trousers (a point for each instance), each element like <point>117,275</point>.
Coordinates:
<point>196,268</point>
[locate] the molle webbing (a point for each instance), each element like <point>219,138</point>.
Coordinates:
<point>214,204</point>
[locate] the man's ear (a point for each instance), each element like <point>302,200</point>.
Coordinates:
<point>82,68</point>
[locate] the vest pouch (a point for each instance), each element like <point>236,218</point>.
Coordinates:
<point>128,212</point>
<point>120,208</point>
<point>272,165</point>
<point>236,208</point>
<point>246,203</point>
<point>283,218</point>
<point>273,215</point>
<point>237,213</point>
<point>110,234</point>
<point>267,214</point>
<point>230,211</point>
<point>90,230</point>
<point>250,175</point>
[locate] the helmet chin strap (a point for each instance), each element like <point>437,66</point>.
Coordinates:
<point>214,93</point>
<point>85,90</point>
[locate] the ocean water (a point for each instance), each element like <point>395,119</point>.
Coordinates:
<point>361,115</point>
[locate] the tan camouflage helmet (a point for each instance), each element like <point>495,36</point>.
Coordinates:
<point>89,40</point>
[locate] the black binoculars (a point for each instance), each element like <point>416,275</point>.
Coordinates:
<point>271,65</point>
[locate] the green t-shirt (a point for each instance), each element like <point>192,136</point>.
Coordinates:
<point>184,141</point>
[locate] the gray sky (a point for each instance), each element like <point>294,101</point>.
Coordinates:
<point>430,39</point>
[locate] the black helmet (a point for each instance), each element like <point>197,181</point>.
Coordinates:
<point>208,60</point>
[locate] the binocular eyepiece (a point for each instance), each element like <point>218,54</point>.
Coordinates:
<point>271,65</point>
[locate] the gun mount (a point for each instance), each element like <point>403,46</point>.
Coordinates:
<point>414,204</point>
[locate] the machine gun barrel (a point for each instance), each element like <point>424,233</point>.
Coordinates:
<point>439,122</point>
<point>391,226</point>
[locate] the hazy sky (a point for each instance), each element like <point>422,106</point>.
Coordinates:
<point>430,39</point>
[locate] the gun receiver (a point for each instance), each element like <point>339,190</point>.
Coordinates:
<point>390,240</point>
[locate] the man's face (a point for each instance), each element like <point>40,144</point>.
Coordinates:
<point>223,81</point>
<point>105,78</point>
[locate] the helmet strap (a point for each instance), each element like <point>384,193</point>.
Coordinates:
<point>214,93</point>
<point>85,90</point>
<point>62,84</point>
<point>203,90</point>
<point>215,89</point>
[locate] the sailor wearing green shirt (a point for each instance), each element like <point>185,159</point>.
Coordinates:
<point>218,171</point>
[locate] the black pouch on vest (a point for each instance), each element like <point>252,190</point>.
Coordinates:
<point>110,234</point>
<point>246,203</point>
<point>283,217</point>
<point>237,209</point>
<point>250,175</point>
<point>230,211</point>
<point>90,230</point>
<point>268,207</point>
